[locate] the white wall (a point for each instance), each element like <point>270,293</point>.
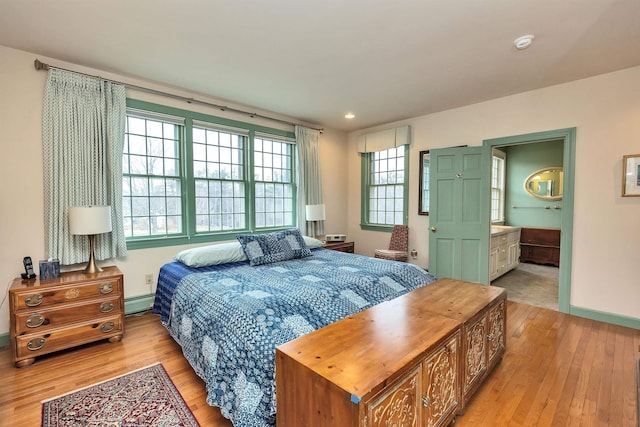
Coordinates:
<point>21,184</point>
<point>606,112</point>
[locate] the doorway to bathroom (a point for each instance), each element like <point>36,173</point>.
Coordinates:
<point>541,205</point>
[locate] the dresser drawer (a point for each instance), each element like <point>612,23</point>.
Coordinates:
<point>36,344</point>
<point>32,298</point>
<point>34,321</point>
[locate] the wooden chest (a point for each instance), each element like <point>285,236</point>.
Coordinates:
<point>413,361</point>
<point>393,364</point>
<point>482,312</point>
<point>66,311</point>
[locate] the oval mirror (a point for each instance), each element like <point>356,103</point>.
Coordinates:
<point>545,184</point>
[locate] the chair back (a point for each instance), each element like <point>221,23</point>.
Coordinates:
<point>399,238</point>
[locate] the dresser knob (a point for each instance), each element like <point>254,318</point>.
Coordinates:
<point>34,321</point>
<point>35,344</point>
<point>106,288</point>
<point>107,327</point>
<point>33,300</point>
<point>106,307</point>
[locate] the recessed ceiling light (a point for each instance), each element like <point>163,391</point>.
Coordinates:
<point>523,42</point>
<point>349,116</point>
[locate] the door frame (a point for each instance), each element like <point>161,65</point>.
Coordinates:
<point>568,136</point>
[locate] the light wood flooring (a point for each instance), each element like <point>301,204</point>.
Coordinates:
<point>559,370</point>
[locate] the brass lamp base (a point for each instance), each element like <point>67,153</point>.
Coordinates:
<point>92,267</point>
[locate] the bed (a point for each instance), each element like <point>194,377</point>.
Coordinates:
<point>229,318</point>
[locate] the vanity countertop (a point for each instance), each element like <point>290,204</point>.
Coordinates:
<point>502,229</point>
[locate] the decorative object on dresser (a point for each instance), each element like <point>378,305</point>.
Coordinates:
<point>72,309</point>
<point>411,363</point>
<point>504,254</point>
<point>156,402</point>
<point>398,246</point>
<point>540,246</point>
<point>90,221</point>
<point>348,247</point>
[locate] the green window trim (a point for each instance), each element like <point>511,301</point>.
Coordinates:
<point>364,193</point>
<point>189,234</point>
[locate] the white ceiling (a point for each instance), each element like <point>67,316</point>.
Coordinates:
<point>383,60</point>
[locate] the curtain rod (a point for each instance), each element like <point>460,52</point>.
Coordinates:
<point>39,65</point>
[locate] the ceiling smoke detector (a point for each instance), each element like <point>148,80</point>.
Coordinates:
<point>523,42</point>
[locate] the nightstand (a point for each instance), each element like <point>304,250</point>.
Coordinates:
<point>72,309</point>
<point>340,246</point>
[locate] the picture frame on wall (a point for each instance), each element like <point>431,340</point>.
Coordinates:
<point>631,175</point>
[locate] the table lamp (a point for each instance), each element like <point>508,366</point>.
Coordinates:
<point>315,213</point>
<point>90,221</point>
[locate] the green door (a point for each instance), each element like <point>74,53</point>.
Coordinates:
<point>459,213</point>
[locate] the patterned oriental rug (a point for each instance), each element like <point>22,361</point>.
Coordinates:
<point>145,397</point>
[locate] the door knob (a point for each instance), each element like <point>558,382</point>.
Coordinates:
<point>434,229</point>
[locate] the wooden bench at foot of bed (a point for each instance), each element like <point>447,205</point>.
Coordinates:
<point>412,361</point>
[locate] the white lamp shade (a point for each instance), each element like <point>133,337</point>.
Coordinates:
<point>89,220</point>
<point>315,212</point>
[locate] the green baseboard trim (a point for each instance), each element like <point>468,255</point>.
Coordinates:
<point>138,303</point>
<point>601,316</point>
<point>4,340</point>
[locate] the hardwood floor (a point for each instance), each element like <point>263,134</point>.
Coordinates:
<point>558,370</point>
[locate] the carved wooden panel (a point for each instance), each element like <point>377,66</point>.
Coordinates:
<point>476,357</point>
<point>496,338</point>
<point>440,384</point>
<point>397,405</point>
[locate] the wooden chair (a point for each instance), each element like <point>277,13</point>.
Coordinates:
<point>398,246</point>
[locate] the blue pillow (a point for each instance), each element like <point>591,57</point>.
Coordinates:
<point>273,247</point>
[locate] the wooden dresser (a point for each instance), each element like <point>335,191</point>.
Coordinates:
<point>402,362</point>
<point>72,309</point>
<point>540,246</point>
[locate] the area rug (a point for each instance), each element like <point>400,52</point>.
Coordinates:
<point>145,397</point>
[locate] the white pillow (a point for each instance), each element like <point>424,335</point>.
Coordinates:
<point>204,256</point>
<point>223,253</point>
<point>312,243</point>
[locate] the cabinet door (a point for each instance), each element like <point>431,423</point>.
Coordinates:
<point>476,352</point>
<point>397,405</point>
<point>493,263</point>
<point>441,393</point>
<point>513,255</point>
<point>495,337</point>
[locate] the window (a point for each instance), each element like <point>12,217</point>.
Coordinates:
<point>497,185</point>
<point>152,182</point>
<point>189,177</point>
<point>385,203</point>
<point>273,176</point>
<point>218,170</point>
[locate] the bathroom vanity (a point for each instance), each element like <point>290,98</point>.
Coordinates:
<point>504,254</point>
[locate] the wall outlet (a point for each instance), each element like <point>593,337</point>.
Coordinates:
<point>148,279</point>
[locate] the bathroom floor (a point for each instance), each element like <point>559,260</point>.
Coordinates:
<point>531,284</point>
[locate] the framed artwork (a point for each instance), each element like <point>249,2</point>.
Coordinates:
<point>423,190</point>
<point>631,175</point>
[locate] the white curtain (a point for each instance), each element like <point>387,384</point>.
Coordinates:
<point>83,125</point>
<point>309,178</point>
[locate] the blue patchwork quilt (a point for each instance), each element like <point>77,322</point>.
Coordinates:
<point>229,321</point>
